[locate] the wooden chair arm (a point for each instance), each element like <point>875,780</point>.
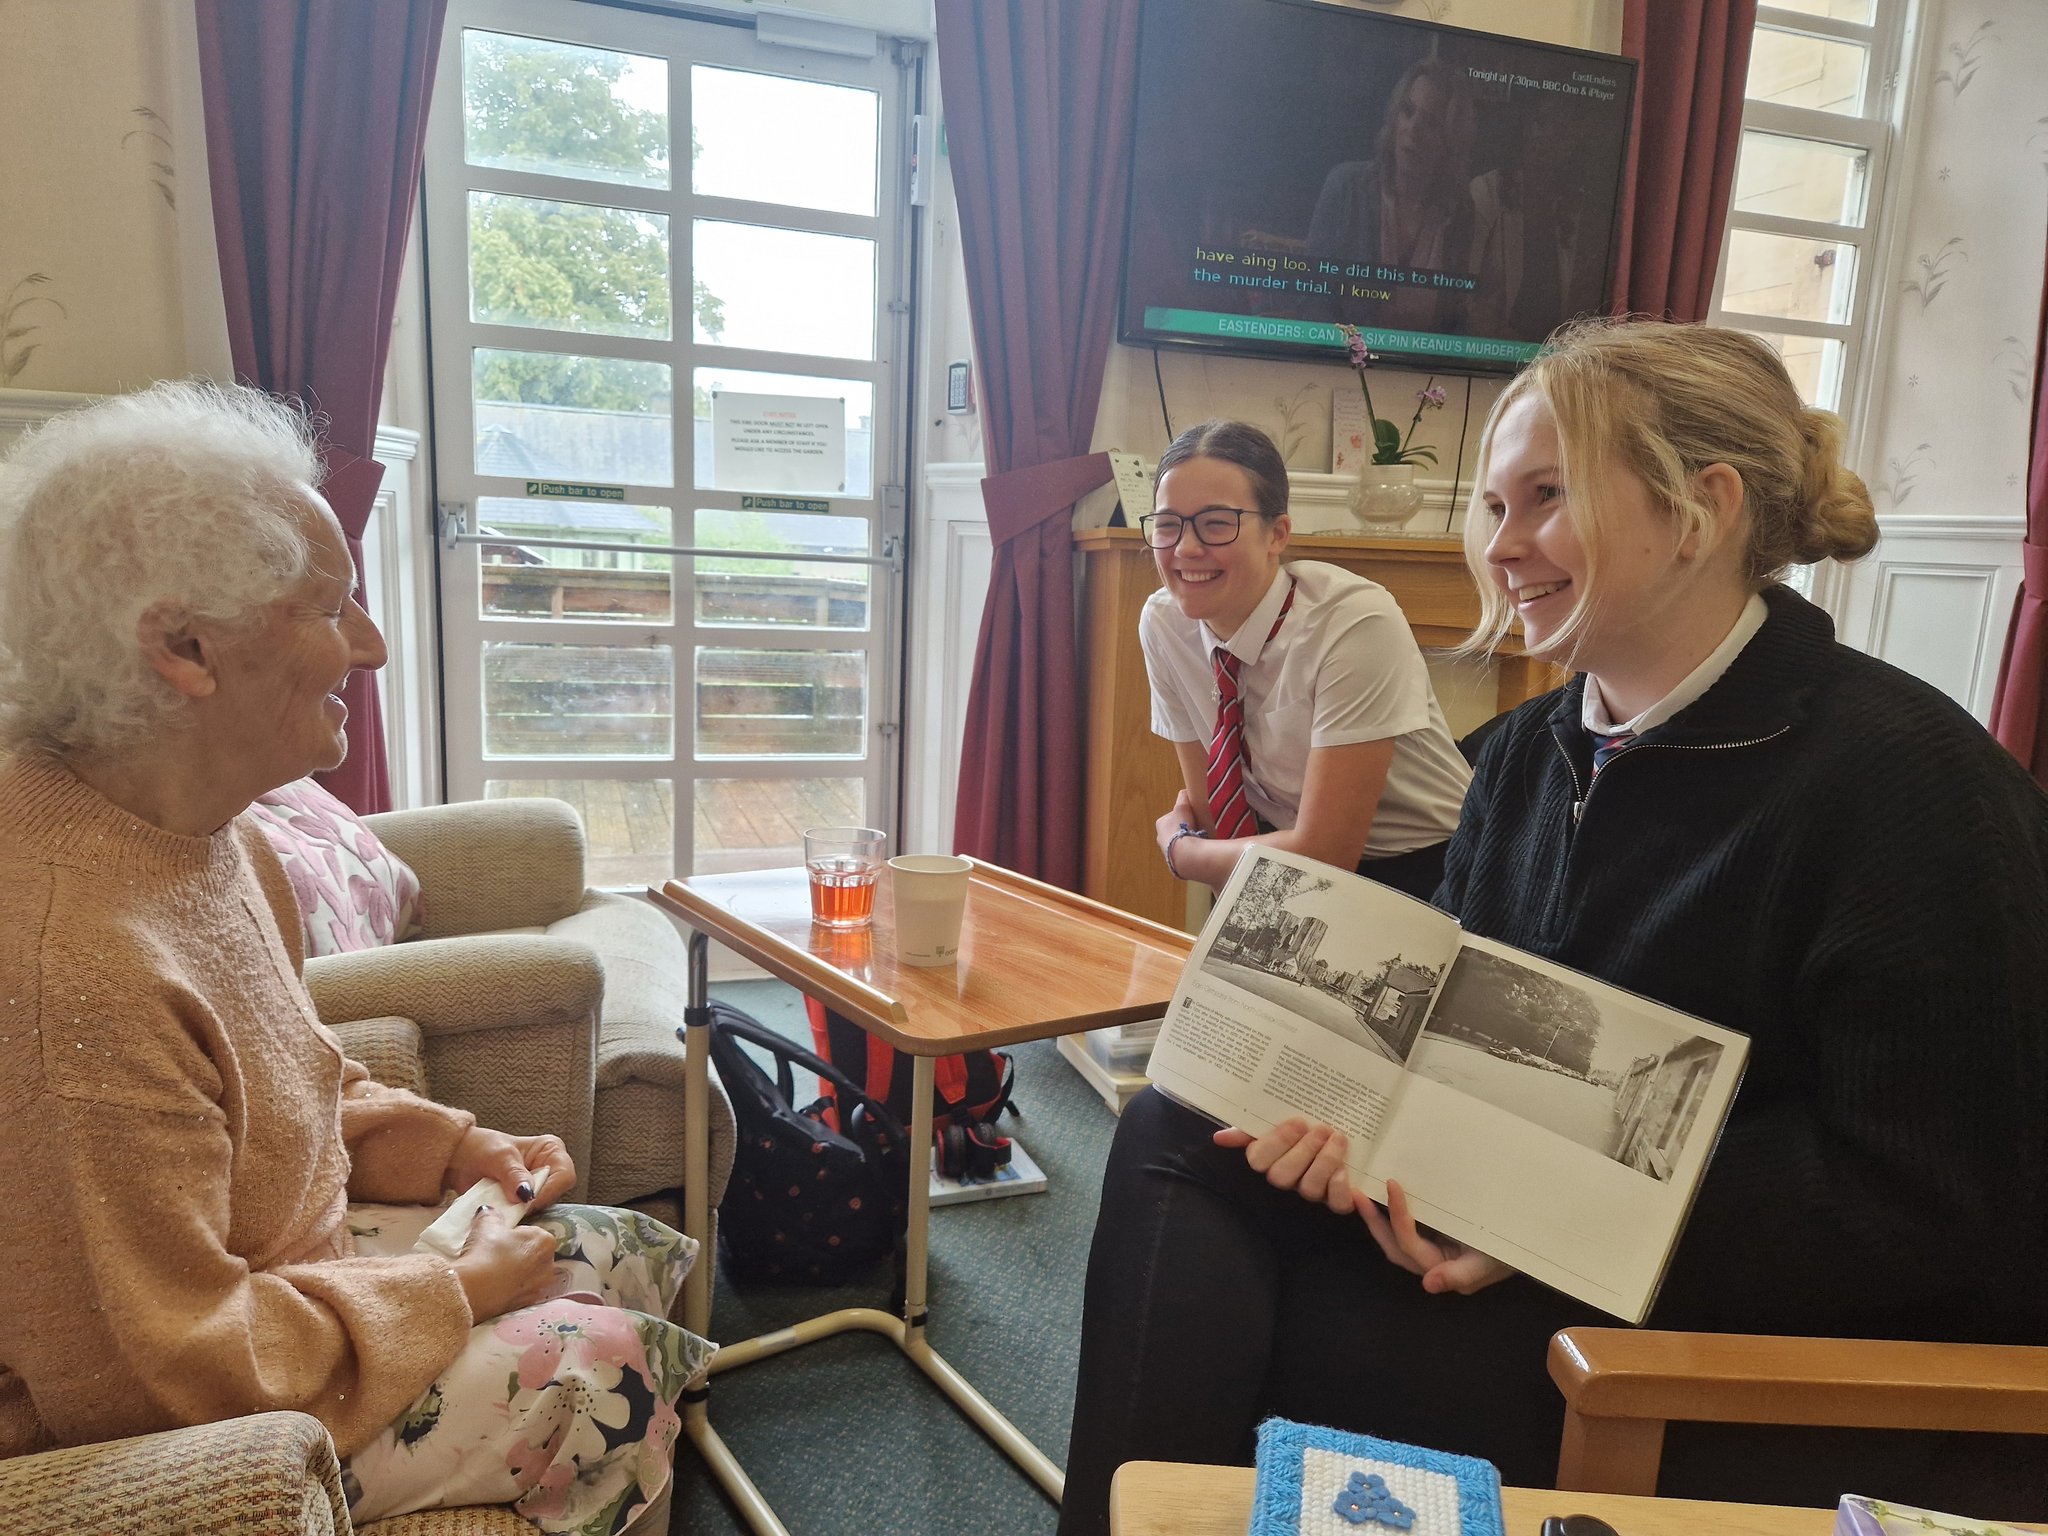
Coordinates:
<point>1745,1378</point>
<point>1622,1385</point>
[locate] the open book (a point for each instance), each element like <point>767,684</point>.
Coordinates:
<point>1559,1124</point>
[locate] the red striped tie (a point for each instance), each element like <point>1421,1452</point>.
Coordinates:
<point>1607,748</point>
<point>1229,812</point>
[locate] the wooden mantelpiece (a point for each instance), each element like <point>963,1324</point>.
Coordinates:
<point>1131,775</point>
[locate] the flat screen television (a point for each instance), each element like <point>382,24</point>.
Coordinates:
<point>1296,164</point>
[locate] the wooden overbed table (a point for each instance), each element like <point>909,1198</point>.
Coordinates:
<point>1035,962</point>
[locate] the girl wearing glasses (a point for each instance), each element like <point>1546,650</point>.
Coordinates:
<point>1734,814</point>
<point>1295,696</point>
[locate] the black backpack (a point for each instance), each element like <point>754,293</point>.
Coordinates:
<point>808,1203</point>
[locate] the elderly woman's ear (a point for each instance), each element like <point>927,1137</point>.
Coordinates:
<point>179,651</point>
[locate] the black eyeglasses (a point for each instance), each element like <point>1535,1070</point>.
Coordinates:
<point>1212,525</point>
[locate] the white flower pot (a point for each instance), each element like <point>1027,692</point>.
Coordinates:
<point>1386,495</point>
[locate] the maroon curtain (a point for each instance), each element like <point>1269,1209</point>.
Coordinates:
<point>2022,697</point>
<point>315,115</point>
<point>1694,61</point>
<point>1038,108</point>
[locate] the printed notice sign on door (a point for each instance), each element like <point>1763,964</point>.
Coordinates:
<point>565,490</point>
<point>792,443</point>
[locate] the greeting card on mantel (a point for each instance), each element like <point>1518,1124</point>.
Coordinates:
<point>1133,485</point>
<point>1350,432</point>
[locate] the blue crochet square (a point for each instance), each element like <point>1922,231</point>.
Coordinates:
<point>1314,1481</point>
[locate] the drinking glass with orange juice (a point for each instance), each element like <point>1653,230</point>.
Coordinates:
<point>843,863</point>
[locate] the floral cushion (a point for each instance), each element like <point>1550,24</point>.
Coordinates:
<point>353,892</point>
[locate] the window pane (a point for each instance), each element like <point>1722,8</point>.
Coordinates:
<point>1801,179</point>
<point>520,581</point>
<point>795,592</point>
<point>776,140</point>
<point>755,269</point>
<point>533,105</point>
<point>1815,363</point>
<point>1781,275</point>
<point>628,824</point>
<point>759,823</point>
<point>578,700</point>
<point>858,399</point>
<point>561,416</point>
<point>1815,72</point>
<point>781,703</point>
<point>1862,12</point>
<point>568,266</point>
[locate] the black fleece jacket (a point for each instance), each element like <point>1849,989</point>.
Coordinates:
<point>1830,856</point>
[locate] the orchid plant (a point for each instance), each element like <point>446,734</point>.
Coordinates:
<point>1390,445</point>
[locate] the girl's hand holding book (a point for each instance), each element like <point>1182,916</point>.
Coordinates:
<point>1444,1264</point>
<point>1309,1159</point>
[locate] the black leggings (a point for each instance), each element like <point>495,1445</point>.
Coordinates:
<point>1214,1300</point>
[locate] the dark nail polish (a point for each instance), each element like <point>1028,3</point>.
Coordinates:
<point>526,1191</point>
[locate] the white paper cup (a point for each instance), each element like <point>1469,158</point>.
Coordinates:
<point>931,897</point>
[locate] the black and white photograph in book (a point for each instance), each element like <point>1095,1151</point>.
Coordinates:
<point>1271,944</point>
<point>1623,1082</point>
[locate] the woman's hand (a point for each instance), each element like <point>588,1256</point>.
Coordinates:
<point>1308,1159</point>
<point>1443,1264</point>
<point>535,1169</point>
<point>502,1267</point>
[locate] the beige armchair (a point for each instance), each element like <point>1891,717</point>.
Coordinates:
<point>515,948</point>
<point>270,1474</point>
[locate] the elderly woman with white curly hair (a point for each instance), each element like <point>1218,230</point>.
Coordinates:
<point>177,615</point>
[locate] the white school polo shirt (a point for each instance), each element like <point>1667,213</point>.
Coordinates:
<point>1344,668</point>
<point>1593,707</point>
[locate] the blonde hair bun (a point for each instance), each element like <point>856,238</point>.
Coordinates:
<point>1835,519</point>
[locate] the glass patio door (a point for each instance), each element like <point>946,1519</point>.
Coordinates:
<point>666,276</point>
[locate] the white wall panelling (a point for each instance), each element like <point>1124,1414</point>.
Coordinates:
<point>1935,598</point>
<point>950,562</point>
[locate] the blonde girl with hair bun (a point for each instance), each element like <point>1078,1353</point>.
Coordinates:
<point>1663,403</point>
<point>1732,813</point>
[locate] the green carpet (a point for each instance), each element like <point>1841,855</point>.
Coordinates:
<point>845,1437</point>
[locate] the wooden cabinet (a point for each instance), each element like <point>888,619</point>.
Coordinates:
<point>1131,775</point>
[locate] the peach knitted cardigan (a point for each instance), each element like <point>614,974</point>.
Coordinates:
<point>178,1140</point>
